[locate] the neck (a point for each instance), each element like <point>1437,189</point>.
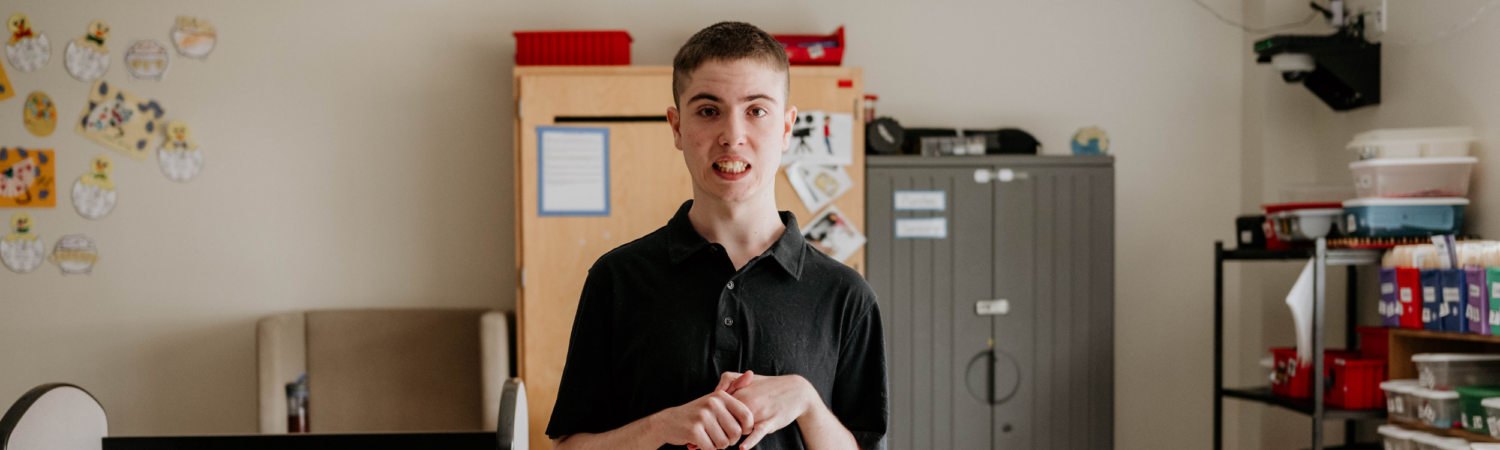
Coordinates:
<point>745,229</point>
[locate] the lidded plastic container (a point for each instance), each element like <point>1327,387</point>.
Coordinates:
<point>1435,142</point>
<point>1305,224</point>
<point>1438,408</point>
<point>1484,446</point>
<point>1396,438</point>
<point>1449,370</point>
<point>1413,177</point>
<point>1492,415</point>
<point>1398,398</point>
<point>1428,441</point>
<point>1471,410</point>
<point>1403,217</point>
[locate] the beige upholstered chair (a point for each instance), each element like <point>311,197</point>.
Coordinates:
<point>377,370</point>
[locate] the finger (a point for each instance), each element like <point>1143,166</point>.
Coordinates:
<point>740,411</point>
<point>728,422</point>
<point>755,436</point>
<point>700,439</point>
<point>741,382</point>
<point>725,380</point>
<point>715,433</point>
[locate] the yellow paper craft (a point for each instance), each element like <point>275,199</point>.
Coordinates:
<point>87,58</point>
<point>5,90</point>
<point>120,121</point>
<point>39,115</point>
<point>28,178</point>
<point>22,250</point>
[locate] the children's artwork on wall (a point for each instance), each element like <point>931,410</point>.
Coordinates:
<point>75,254</point>
<point>28,178</point>
<point>22,251</point>
<point>39,115</point>
<point>94,192</point>
<point>87,58</point>
<point>120,121</point>
<point>27,50</point>
<point>147,60</point>
<point>194,37</point>
<point>6,91</point>
<point>832,234</point>
<point>179,156</point>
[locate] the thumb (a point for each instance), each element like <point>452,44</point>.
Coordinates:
<point>741,382</point>
<point>761,429</point>
<point>726,380</point>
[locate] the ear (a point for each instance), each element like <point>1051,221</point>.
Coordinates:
<point>674,119</point>
<point>786,132</point>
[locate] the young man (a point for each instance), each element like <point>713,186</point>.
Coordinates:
<point>724,323</point>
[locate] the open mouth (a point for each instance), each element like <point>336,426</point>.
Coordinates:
<point>731,167</point>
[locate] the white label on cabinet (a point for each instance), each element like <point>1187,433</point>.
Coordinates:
<point>922,228</point>
<point>921,200</point>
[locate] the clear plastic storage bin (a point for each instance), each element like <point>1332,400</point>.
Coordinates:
<point>1438,408</point>
<point>1398,398</point>
<point>1396,438</point>
<point>1492,407</point>
<point>1433,142</point>
<point>1403,217</point>
<point>1428,441</point>
<point>1449,370</point>
<point>1305,224</point>
<point>1414,177</point>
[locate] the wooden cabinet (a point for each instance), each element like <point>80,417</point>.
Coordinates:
<point>647,182</point>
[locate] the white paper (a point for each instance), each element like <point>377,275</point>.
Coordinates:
<point>574,171</point>
<point>819,138</point>
<point>818,186</point>
<point>921,200</point>
<point>922,228</point>
<point>830,233</point>
<point>1300,300</point>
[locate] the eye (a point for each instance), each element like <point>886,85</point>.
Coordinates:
<point>757,112</point>
<point>708,112</point>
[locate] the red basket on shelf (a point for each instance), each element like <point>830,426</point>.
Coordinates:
<point>572,48</point>
<point>808,50</point>
<point>1355,383</point>
<point>1292,378</point>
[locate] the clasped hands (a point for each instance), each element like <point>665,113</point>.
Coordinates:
<point>741,405</point>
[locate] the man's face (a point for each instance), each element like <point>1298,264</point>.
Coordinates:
<point>732,128</point>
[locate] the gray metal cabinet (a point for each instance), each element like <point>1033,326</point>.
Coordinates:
<point>1033,372</point>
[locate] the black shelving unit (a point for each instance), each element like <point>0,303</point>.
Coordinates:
<point>1313,407</point>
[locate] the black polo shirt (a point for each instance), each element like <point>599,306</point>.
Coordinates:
<point>662,317</point>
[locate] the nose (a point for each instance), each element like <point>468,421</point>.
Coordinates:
<point>735,131</point>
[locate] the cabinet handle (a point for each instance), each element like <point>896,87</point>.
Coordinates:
<point>1001,175</point>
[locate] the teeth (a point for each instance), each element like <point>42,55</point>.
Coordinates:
<point>731,166</point>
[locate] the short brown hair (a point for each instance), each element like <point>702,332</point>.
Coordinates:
<point>727,41</point>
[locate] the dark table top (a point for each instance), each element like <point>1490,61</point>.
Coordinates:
<point>465,440</point>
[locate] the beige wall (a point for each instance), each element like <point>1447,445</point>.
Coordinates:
<point>1292,138</point>
<point>358,155</point>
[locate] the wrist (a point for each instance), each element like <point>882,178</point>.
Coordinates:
<point>652,428</point>
<point>812,402</point>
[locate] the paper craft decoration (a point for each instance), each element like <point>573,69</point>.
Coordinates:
<point>146,60</point>
<point>28,178</point>
<point>194,37</point>
<point>573,172</point>
<point>75,254</point>
<point>1090,141</point>
<point>94,192</point>
<point>120,121</point>
<point>87,58</point>
<point>39,114</point>
<point>27,50</point>
<point>179,156</point>
<point>833,235</point>
<point>6,91</point>
<point>816,185</point>
<point>22,251</point>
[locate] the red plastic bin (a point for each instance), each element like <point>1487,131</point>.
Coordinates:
<point>572,48</point>
<point>1275,243</point>
<point>808,50</point>
<point>1292,378</point>
<point>1374,342</point>
<point>1355,383</point>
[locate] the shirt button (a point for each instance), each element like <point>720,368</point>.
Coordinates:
<point>728,321</point>
<point>730,286</point>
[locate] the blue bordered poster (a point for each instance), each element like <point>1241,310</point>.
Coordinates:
<point>572,171</point>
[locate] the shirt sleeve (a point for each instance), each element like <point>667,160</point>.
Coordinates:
<point>860,397</point>
<point>581,399</point>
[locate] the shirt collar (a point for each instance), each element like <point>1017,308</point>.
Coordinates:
<point>683,241</point>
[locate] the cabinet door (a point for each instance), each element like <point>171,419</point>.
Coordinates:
<point>936,346</point>
<point>1054,262</point>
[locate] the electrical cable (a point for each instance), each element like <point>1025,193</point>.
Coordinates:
<point>1441,35</point>
<point>1241,26</point>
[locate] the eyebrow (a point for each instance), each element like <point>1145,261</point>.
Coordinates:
<point>714,98</point>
